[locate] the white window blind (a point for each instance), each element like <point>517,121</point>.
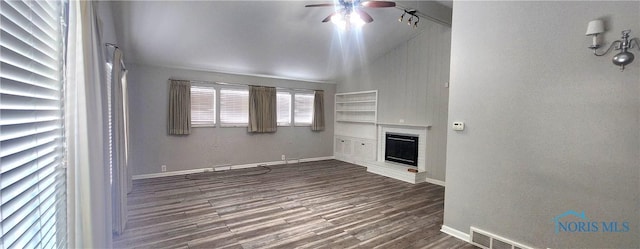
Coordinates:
<point>303,112</point>
<point>284,108</point>
<point>234,107</point>
<point>32,177</point>
<point>203,106</point>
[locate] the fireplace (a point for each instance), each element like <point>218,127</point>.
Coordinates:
<point>401,148</point>
<point>400,169</point>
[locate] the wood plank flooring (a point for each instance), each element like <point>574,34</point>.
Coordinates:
<point>326,204</point>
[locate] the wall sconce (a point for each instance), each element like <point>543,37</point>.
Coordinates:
<point>621,59</point>
<point>413,15</point>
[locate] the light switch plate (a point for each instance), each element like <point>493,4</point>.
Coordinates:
<point>458,126</point>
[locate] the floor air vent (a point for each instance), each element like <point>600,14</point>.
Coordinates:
<point>488,240</point>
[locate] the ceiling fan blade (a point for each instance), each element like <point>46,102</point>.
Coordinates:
<point>328,18</point>
<point>321,5</point>
<point>364,15</point>
<point>378,4</point>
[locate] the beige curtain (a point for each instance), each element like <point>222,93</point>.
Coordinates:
<point>179,122</point>
<point>317,124</point>
<point>262,109</point>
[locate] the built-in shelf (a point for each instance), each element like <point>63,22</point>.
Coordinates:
<point>355,102</point>
<point>355,110</point>
<point>357,107</point>
<point>355,121</point>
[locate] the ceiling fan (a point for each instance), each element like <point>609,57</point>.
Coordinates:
<point>349,10</point>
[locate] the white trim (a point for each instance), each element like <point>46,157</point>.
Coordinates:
<point>455,233</point>
<point>435,181</point>
<point>228,167</point>
<point>170,173</point>
<point>313,159</point>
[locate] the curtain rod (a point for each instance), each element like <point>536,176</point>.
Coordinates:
<point>239,84</point>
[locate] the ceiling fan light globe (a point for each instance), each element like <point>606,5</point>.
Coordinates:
<point>337,19</point>
<point>356,20</point>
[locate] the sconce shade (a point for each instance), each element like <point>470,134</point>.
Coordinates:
<point>595,27</point>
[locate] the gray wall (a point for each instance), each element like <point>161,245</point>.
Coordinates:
<point>107,28</point>
<point>207,147</point>
<point>549,126</point>
<point>410,80</point>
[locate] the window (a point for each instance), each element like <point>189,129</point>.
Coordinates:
<point>303,113</point>
<point>284,108</point>
<point>234,107</point>
<point>203,106</point>
<point>33,181</point>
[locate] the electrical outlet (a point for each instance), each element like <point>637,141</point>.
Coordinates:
<point>163,168</point>
<point>458,126</point>
<point>283,158</point>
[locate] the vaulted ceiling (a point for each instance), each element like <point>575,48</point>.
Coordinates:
<point>271,38</point>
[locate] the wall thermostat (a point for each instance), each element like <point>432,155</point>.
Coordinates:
<point>458,126</point>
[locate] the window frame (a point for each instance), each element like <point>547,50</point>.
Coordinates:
<point>215,105</point>
<point>295,108</point>
<point>290,121</point>
<point>233,88</point>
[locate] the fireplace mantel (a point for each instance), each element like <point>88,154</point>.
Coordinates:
<point>427,126</point>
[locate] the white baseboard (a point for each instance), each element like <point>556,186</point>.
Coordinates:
<point>434,181</point>
<point>221,168</point>
<point>313,159</point>
<point>170,173</point>
<point>455,233</point>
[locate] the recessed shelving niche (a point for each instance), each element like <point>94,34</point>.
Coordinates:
<point>357,107</point>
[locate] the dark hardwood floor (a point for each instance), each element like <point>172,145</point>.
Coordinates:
<point>326,204</point>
